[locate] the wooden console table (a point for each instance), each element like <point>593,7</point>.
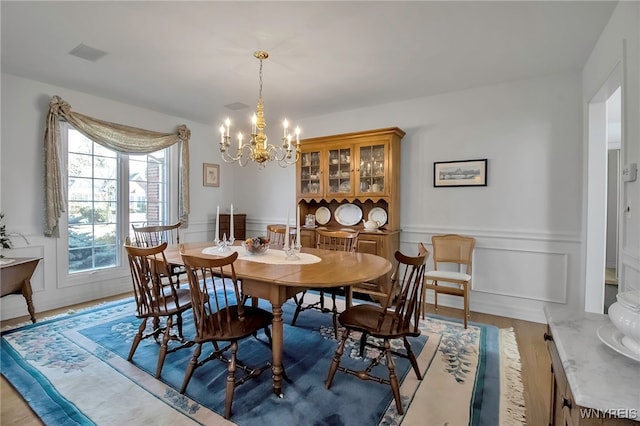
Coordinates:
<point>16,278</point>
<point>591,383</point>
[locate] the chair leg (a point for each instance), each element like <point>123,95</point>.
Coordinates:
<point>179,323</point>
<point>137,339</point>
<point>334,311</point>
<point>335,363</point>
<point>363,343</point>
<point>435,297</point>
<point>163,347</point>
<point>298,308</point>
<point>412,358</point>
<point>231,380</point>
<point>466,306</point>
<point>393,379</point>
<point>191,367</point>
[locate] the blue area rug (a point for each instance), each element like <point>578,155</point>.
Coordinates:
<point>72,369</point>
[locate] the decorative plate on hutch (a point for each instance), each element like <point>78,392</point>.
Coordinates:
<point>378,214</point>
<point>348,214</point>
<point>323,215</point>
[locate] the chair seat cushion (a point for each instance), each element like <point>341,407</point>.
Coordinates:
<point>365,318</point>
<point>447,275</point>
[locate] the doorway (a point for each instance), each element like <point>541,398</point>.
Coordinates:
<point>604,121</point>
<point>614,139</point>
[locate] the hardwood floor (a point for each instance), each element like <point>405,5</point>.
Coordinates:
<point>536,367</point>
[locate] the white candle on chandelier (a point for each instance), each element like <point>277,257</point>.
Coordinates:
<point>289,142</point>
<point>285,123</point>
<point>297,135</point>
<point>239,140</point>
<point>254,122</point>
<point>227,123</point>
<point>221,134</point>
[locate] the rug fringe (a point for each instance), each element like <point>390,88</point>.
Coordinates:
<point>512,405</point>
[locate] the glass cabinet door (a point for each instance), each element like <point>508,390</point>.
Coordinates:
<point>372,169</point>
<point>339,171</point>
<point>310,183</point>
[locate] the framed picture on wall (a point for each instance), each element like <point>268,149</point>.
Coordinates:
<point>211,174</point>
<point>460,173</point>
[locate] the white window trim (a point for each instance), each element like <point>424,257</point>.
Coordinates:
<point>103,276</point>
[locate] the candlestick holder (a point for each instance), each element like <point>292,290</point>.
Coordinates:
<point>291,252</point>
<point>224,244</point>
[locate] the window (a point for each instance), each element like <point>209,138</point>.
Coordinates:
<point>96,192</point>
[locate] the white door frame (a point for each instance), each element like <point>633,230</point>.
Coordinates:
<point>596,226</point>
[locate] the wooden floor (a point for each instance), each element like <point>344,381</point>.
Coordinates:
<point>536,368</point>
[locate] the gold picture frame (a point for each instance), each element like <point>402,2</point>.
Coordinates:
<point>210,174</point>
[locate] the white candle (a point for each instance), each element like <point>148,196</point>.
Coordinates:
<point>297,135</point>
<point>231,225</point>
<point>286,232</point>
<point>239,141</point>
<point>285,124</point>
<point>227,123</point>
<point>217,224</point>
<point>298,228</point>
<point>221,134</point>
<point>254,122</point>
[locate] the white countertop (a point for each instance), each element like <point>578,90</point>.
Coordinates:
<point>599,377</point>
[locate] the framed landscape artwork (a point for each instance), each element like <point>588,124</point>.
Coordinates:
<point>211,174</point>
<point>460,173</point>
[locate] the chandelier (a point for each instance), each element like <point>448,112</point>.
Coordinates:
<point>258,148</point>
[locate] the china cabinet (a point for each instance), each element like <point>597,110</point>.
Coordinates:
<point>353,176</point>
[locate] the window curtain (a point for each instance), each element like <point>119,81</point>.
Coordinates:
<point>114,136</point>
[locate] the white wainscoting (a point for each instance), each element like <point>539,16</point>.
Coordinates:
<point>514,273</point>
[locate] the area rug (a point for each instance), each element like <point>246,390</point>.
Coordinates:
<point>72,369</point>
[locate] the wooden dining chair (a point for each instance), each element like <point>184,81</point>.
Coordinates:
<point>346,241</point>
<point>219,318</point>
<point>149,236</point>
<point>276,235</point>
<point>390,297</point>
<point>156,298</point>
<point>450,250</point>
<point>397,319</point>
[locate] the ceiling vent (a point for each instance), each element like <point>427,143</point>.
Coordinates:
<point>236,106</point>
<point>87,52</point>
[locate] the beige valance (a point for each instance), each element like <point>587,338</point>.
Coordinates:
<point>111,135</point>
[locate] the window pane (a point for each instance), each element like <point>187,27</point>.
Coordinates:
<point>80,165</point>
<point>94,193</point>
<point>105,167</point>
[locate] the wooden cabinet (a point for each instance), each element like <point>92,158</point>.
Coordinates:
<point>362,169</point>
<point>239,226</point>
<point>564,410</point>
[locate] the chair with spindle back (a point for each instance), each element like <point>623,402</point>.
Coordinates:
<point>149,236</point>
<point>346,241</point>
<point>156,299</point>
<point>219,318</point>
<point>398,318</point>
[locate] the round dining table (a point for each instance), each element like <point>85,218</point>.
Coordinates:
<point>277,282</point>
